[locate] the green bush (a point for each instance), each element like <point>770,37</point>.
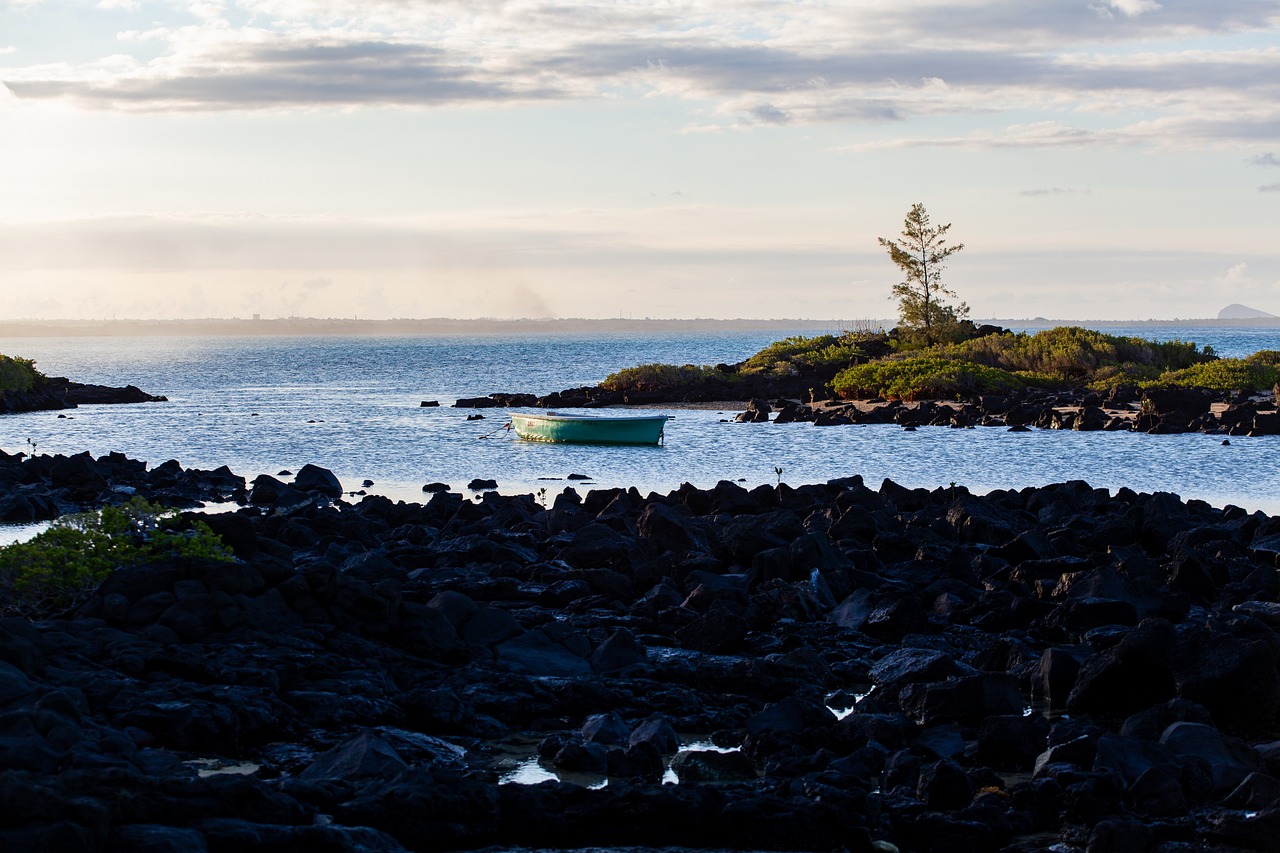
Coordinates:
<point>1266,356</point>
<point>787,356</point>
<point>62,565</point>
<point>1227,374</point>
<point>660,377</point>
<point>922,378</point>
<point>17,374</point>
<point>1072,353</point>
<point>1106,378</point>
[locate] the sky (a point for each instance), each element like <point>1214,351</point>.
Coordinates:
<point>1098,159</point>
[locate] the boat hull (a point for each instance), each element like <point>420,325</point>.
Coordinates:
<point>585,429</point>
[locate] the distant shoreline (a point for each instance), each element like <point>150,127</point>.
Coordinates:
<point>446,326</point>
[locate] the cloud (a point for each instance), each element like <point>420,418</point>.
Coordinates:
<point>1052,191</point>
<point>1235,276</point>
<point>742,63</point>
<point>1133,8</point>
<point>1269,188</point>
<point>1267,159</point>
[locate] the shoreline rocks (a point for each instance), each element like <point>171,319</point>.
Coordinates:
<point>1156,411</point>
<point>1059,667</point>
<point>54,393</point>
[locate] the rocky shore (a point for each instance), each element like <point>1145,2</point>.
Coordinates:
<point>826,667</point>
<point>53,393</point>
<point>1158,411</point>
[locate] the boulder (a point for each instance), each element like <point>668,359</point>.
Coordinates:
<point>705,765</point>
<point>1230,760</point>
<point>640,761</point>
<point>536,653</point>
<point>968,699</point>
<point>757,411</point>
<point>656,730</point>
<point>313,478</point>
<point>360,757</point>
<point>943,786</point>
<point>1134,674</point>
<point>618,652</point>
<point>608,729</point>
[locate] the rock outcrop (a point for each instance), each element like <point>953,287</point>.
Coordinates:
<point>369,676</point>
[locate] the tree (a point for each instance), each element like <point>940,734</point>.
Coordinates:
<point>920,253</point>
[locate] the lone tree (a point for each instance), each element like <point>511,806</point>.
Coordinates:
<point>921,253</point>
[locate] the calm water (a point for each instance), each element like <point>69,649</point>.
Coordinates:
<point>351,405</point>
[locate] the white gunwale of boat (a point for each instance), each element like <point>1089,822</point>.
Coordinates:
<point>559,416</point>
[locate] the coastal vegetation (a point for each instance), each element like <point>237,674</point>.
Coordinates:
<point>1055,359</point>
<point>865,364</point>
<point>62,565</point>
<point>18,374</point>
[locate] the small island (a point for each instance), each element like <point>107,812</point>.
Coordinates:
<point>1062,378</point>
<point>25,389</point>
<point>937,367</point>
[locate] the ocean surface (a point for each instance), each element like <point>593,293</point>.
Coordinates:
<point>351,404</point>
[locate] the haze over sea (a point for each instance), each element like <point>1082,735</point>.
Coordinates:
<point>351,404</point>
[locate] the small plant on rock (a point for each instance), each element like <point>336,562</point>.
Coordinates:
<point>61,566</point>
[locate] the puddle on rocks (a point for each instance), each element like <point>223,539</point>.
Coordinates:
<point>11,532</point>
<point>520,765</point>
<point>842,703</point>
<point>222,767</point>
<point>517,761</point>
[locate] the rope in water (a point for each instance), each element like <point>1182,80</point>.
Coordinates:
<point>506,426</point>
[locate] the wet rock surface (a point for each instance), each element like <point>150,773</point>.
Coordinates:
<point>1059,668</point>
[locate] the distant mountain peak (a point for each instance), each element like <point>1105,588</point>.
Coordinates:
<point>1236,311</point>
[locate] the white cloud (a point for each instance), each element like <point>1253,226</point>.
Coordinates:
<point>1235,276</point>
<point>1133,8</point>
<point>747,64</point>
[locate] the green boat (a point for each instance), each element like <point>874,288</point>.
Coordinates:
<point>590,429</point>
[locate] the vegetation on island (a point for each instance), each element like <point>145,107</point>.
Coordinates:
<point>18,374</point>
<point>936,352</point>
<point>864,364</point>
<point>62,565</point>
<point>1055,359</point>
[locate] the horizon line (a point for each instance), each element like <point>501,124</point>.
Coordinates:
<point>883,322</point>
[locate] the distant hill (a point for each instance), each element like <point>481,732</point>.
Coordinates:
<point>1236,311</point>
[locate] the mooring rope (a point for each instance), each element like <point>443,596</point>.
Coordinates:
<point>506,426</point>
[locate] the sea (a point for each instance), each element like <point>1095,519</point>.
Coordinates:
<point>268,405</point>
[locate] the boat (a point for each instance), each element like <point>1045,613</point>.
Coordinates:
<point>589,429</point>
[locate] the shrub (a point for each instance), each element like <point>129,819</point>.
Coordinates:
<point>1070,355</point>
<point>1265,356</point>
<point>1106,378</point>
<point>1073,352</point>
<point>18,374</point>
<point>1227,374</point>
<point>660,377</point>
<point>785,357</point>
<point>920,378</point>
<point>62,565</point>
